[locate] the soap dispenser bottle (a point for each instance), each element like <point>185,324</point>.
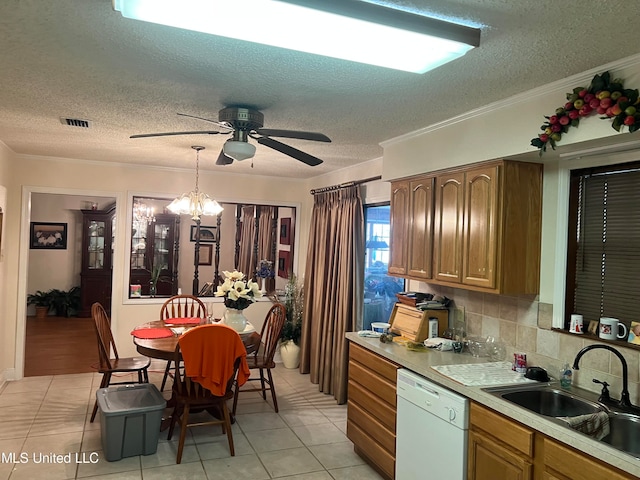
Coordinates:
<point>565,376</point>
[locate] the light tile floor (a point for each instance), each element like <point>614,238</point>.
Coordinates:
<point>305,440</point>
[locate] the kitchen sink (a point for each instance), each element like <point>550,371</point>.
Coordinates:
<point>547,400</point>
<point>624,432</point>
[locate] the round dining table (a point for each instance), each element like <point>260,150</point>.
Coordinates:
<point>164,348</point>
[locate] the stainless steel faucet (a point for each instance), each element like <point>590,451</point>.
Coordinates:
<point>624,398</point>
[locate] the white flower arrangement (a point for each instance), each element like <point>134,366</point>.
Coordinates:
<point>237,292</point>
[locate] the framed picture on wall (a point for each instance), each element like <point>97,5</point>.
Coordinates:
<point>47,235</point>
<point>285,231</point>
<point>207,234</point>
<point>205,254</point>
<point>284,264</point>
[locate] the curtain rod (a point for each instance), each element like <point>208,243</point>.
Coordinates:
<point>344,185</point>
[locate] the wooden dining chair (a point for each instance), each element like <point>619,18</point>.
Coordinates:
<point>110,365</point>
<point>180,306</point>
<point>214,360</point>
<point>262,358</point>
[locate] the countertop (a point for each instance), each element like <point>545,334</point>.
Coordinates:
<point>421,363</point>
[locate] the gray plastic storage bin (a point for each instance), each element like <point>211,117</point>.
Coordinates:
<point>130,417</point>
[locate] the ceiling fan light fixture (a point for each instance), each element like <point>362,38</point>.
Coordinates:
<point>347,29</point>
<point>238,150</point>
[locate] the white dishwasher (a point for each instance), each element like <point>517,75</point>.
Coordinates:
<point>431,430</point>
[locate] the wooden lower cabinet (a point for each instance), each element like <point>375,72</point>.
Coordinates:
<point>371,409</point>
<point>561,462</point>
<point>498,447</point>
<point>503,449</point>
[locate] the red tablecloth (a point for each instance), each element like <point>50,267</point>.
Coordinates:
<point>152,333</point>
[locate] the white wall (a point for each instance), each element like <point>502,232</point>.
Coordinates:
<point>6,358</point>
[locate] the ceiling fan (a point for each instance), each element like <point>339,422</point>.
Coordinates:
<point>244,123</point>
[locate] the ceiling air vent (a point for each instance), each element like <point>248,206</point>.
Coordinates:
<point>75,122</point>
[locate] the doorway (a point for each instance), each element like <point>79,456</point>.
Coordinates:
<point>60,343</point>
<point>379,288</point>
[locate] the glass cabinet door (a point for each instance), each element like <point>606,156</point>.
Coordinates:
<point>96,245</point>
<point>139,245</point>
<point>162,246</point>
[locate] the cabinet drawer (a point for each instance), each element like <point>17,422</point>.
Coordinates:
<point>369,401</point>
<point>505,430</point>
<point>379,386</point>
<point>575,465</point>
<point>373,362</point>
<point>371,449</point>
<point>370,424</point>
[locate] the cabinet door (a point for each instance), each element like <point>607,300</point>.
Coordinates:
<point>420,228</point>
<point>489,460</point>
<point>399,222</point>
<point>480,227</point>
<point>447,245</point>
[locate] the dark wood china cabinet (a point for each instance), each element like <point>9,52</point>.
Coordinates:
<point>98,235</point>
<point>156,243</point>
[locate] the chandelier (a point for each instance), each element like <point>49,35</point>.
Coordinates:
<point>195,203</point>
<point>143,213</point>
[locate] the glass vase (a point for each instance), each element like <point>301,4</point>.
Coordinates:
<point>235,319</point>
<point>152,289</point>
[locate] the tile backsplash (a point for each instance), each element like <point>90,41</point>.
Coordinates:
<point>523,324</point>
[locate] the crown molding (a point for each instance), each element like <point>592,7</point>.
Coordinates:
<point>568,82</point>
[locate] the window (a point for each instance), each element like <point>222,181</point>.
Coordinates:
<point>379,288</point>
<point>604,243</point>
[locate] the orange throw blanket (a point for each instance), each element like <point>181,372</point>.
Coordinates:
<point>209,353</point>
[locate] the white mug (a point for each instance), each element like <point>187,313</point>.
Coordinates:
<point>610,328</point>
<point>576,323</point>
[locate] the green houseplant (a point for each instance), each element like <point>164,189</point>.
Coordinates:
<point>42,302</point>
<point>292,329</point>
<point>65,303</point>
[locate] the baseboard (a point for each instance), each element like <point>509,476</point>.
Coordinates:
<point>6,375</point>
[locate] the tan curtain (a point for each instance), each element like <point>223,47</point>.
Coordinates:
<point>332,288</point>
<point>247,235</point>
<point>265,240</point>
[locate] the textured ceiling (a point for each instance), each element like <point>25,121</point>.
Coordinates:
<point>80,59</point>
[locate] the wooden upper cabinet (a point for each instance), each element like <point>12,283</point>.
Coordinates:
<point>480,227</point>
<point>419,261</point>
<point>399,221</point>
<point>487,224</point>
<point>447,244</point>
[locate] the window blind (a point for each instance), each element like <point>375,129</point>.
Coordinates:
<point>608,253</point>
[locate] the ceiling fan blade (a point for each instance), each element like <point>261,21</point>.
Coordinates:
<point>166,134</point>
<point>271,132</point>
<point>223,159</point>
<point>222,124</point>
<point>292,152</point>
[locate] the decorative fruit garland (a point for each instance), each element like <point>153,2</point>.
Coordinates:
<point>603,96</point>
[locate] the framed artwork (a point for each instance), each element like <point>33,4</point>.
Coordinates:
<point>205,254</point>
<point>634,333</point>
<point>46,235</point>
<point>284,263</point>
<point>285,231</point>
<point>207,234</point>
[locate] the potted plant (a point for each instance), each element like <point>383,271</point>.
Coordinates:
<point>42,302</point>
<point>65,303</point>
<point>292,329</point>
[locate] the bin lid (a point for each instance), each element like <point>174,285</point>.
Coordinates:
<point>137,398</point>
